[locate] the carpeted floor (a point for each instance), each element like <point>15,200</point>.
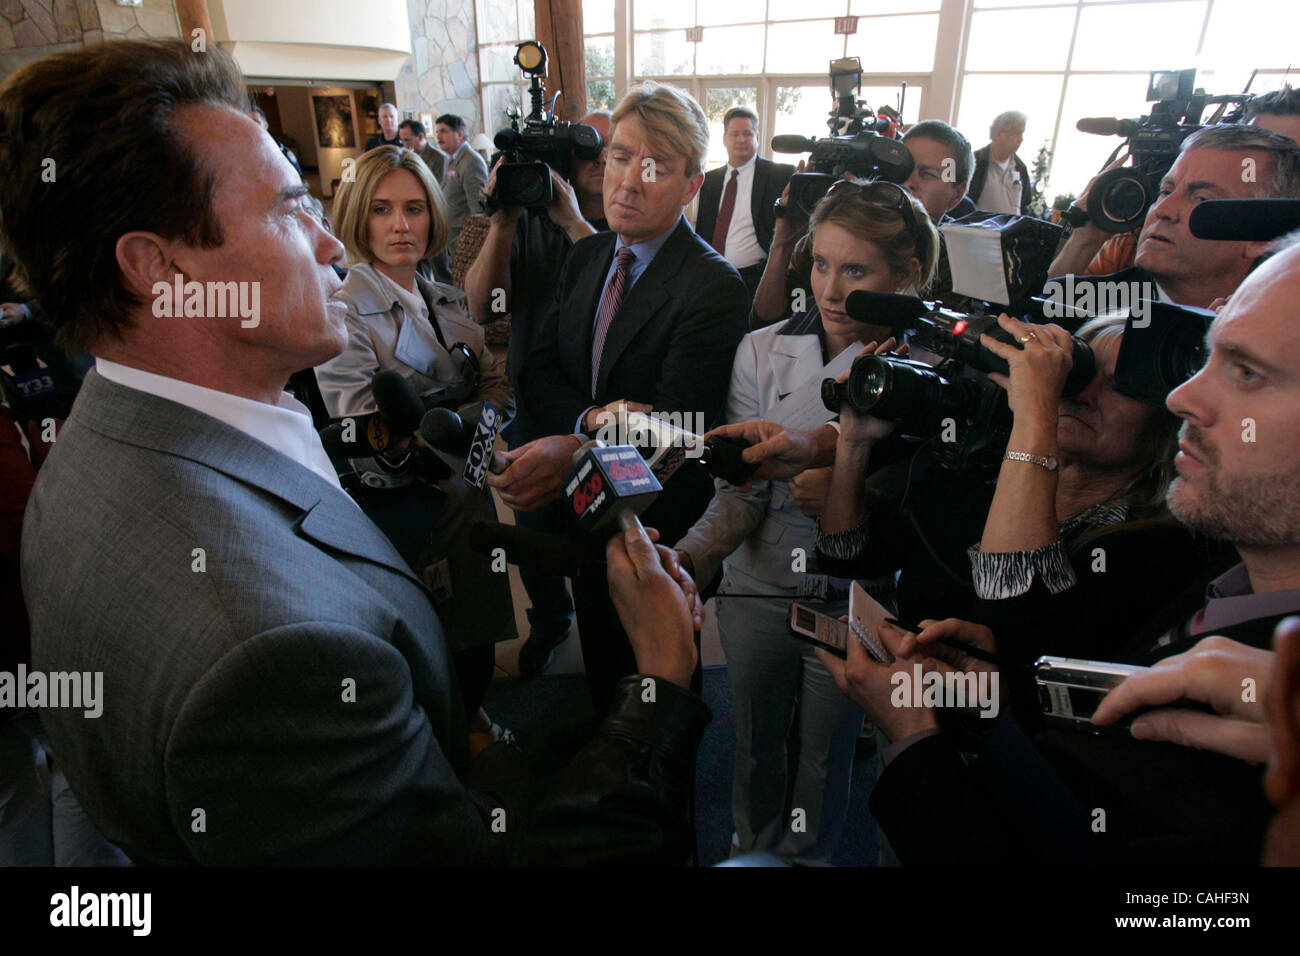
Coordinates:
<point>552,716</point>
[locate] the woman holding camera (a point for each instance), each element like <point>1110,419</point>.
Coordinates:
<point>389,218</point>
<point>1068,550</point>
<point>871,236</point>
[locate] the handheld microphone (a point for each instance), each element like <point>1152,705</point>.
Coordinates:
<point>1108,126</point>
<point>465,447</point>
<point>397,402</point>
<point>555,553</point>
<point>1244,220</point>
<point>365,436</point>
<point>609,484</point>
<point>671,446</point>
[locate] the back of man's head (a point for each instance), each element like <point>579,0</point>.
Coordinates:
<point>69,196</point>
<point>1278,111</point>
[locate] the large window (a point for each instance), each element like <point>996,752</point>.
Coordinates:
<point>1061,60</point>
<point>1055,60</point>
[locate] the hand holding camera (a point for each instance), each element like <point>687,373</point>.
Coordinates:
<point>1038,364</point>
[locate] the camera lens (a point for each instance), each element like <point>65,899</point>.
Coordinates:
<point>1123,197</point>
<point>527,184</point>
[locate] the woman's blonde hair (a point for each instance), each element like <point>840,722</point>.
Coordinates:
<point>883,225</point>
<point>352,201</point>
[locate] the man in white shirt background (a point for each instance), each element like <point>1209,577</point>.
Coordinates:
<point>737,201</point>
<point>1001,180</point>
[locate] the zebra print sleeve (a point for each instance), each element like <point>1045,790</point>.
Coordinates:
<point>1002,575</point>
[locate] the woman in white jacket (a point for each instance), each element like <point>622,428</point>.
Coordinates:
<point>871,236</point>
<point>390,218</point>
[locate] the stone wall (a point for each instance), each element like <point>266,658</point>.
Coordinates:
<point>29,29</point>
<point>442,74</point>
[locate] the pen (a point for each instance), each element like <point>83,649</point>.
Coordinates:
<point>978,653</point>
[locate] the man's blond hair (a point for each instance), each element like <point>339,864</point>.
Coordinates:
<point>672,119</point>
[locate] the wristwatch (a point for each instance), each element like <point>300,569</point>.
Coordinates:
<point>1048,462</point>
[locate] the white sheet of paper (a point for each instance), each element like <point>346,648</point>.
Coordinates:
<point>803,408</point>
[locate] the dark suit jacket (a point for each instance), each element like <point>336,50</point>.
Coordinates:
<point>296,688</point>
<point>769,179</point>
<point>982,159</point>
<point>671,345</point>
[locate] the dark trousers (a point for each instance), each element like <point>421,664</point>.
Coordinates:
<point>606,652</point>
<point>551,607</point>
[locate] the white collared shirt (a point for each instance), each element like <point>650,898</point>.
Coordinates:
<point>285,427</point>
<point>742,248</point>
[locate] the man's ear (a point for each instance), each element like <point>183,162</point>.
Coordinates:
<point>692,187</point>
<point>144,259</point>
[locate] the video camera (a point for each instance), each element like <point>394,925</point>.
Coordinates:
<point>863,143</point>
<point>1120,198</point>
<point>924,397</point>
<point>542,144</point>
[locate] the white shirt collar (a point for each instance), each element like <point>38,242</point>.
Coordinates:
<point>286,427</point>
<point>740,169</point>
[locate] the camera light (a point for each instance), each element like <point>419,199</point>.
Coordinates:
<point>531,57</point>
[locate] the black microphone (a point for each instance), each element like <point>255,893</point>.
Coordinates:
<point>397,402</point>
<point>789,143</point>
<point>609,484</point>
<point>666,447</point>
<point>898,312</point>
<point>555,553</point>
<point>464,439</point>
<point>1244,220</point>
<point>1108,126</point>
<point>364,436</point>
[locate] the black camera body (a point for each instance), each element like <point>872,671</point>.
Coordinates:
<point>1120,198</point>
<point>953,399</point>
<point>1161,350</point>
<point>537,143</point>
<point>863,143</point>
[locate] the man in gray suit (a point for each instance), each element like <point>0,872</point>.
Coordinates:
<point>414,138</point>
<point>275,681</point>
<point>466,172</point>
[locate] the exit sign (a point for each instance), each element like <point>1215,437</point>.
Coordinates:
<point>846,25</point>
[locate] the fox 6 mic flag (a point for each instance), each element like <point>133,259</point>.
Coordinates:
<point>480,447</point>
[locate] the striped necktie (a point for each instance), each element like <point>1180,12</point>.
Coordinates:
<point>610,302</point>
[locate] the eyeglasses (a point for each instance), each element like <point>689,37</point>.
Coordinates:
<point>881,192</point>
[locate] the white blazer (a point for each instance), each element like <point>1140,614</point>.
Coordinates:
<point>756,531</point>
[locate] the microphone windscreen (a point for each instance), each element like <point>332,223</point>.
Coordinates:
<point>789,143</point>
<point>445,431</point>
<point>898,312</point>
<point>1244,220</point>
<point>555,553</point>
<point>1101,126</point>
<point>397,402</point>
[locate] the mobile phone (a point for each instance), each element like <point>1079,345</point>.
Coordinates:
<point>820,629</point>
<point>832,634</point>
<point>1069,690</point>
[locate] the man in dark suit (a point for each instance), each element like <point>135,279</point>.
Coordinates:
<point>646,316</point>
<point>276,683</point>
<point>737,201</point>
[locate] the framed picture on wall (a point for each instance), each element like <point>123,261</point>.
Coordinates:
<point>426,120</point>
<point>334,121</point>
